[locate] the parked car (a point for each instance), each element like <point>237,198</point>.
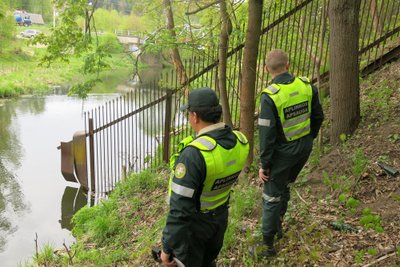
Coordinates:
<point>30,33</point>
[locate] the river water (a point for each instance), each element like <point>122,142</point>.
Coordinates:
<point>35,200</point>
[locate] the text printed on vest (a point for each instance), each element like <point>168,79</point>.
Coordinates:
<point>296,110</point>
<point>224,182</point>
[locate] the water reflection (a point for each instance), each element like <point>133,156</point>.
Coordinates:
<point>72,200</point>
<point>8,141</point>
<point>13,204</point>
<point>12,201</point>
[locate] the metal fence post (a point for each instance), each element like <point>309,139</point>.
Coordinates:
<point>167,125</point>
<point>91,155</point>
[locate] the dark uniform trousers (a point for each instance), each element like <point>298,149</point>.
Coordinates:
<point>206,237</point>
<point>283,171</point>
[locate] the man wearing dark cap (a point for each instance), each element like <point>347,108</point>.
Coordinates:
<point>204,170</point>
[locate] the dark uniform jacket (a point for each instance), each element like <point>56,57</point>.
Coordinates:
<point>273,143</point>
<point>183,209</point>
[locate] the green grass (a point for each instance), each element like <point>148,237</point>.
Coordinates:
<point>45,28</point>
<point>21,73</point>
<point>371,221</point>
<point>379,102</point>
<point>242,203</point>
<point>360,162</point>
<point>117,225</point>
<point>46,257</point>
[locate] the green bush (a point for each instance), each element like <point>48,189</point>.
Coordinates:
<point>371,221</point>
<point>111,43</point>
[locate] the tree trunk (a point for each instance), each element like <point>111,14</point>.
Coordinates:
<point>174,52</point>
<point>344,71</point>
<point>222,56</point>
<point>247,84</point>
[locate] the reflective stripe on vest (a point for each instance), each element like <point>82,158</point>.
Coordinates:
<point>293,103</point>
<point>204,143</point>
<point>223,167</point>
<point>272,89</point>
<point>242,138</point>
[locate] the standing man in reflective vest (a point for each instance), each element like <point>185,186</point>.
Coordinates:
<point>290,118</point>
<point>199,191</point>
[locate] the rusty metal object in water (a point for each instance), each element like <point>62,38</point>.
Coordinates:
<point>73,160</point>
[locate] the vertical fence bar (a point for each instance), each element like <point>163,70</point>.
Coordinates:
<point>277,27</point>
<point>317,59</point>
<point>362,10</point>
<point>291,41</point>
<point>126,133</point>
<point>91,155</point>
<point>272,30</point>
<point>114,145</point>
<point>260,60</point>
<point>371,32</point>
<point>308,47</point>
<point>109,143</point>
<point>378,32</point>
<point>283,25</point>
<point>104,149</point>
<point>135,144</point>
<point>327,41</point>
<point>98,150</point>
<point>288,30</point>
<point>383,30</point>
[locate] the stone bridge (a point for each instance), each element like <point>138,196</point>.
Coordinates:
<point>129,39</point>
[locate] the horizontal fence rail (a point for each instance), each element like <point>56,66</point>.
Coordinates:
<point>143,127</point>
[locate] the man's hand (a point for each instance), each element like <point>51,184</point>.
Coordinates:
<point>263,174</point>
<point>165,259</point>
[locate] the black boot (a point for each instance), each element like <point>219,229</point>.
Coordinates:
<point>270,250</point>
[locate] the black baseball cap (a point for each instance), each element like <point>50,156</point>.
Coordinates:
<point>201,98</point>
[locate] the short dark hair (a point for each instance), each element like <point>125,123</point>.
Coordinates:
<point>276,60</point>
<point>208,114</point>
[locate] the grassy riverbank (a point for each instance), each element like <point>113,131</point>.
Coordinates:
<point>20,72</point>
<point>339,185</point>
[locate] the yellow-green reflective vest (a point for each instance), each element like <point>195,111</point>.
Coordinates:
<point>182,144</point>
<point>293,103</point>
<point>222,169</point>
